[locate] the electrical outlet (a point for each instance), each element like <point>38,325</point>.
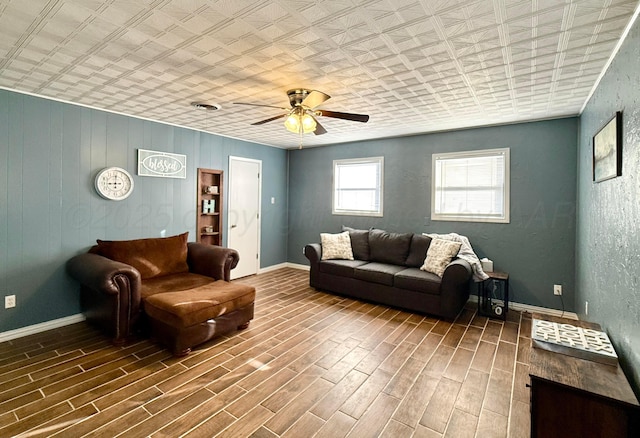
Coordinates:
<point>9,301</point>
<point>557,289</point>
<point>586,307</point>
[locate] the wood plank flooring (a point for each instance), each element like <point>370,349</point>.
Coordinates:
<point>310,364</point>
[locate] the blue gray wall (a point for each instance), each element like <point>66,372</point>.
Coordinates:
<point>50,153</point>
<point>536,248</point>
<point>608,241</point>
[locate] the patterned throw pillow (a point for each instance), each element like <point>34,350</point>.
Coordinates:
<point>336,246</point>
<point>439,255</point>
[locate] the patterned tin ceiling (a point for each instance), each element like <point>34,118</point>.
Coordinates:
<point>414,66</point>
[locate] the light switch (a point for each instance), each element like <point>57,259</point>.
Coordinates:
<point>273,200</point>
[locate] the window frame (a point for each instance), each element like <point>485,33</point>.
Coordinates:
<point>379,189</point>
<point>461,217</point>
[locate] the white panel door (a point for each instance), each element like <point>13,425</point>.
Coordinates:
<point>244,214</point>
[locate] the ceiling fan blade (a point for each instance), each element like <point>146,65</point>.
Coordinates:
<point>319,128</point>
<point>257,104</point>
<point>315,98</point>
<point>270,119</point>
<point>346,116</point>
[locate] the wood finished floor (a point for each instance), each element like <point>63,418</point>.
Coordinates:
<point>310,364</point>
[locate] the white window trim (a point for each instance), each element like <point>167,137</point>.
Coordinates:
<point>376,160</point>
<point>471,218</point>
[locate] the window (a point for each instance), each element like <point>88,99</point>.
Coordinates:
<point>357,186</point>
<point>471,186</point>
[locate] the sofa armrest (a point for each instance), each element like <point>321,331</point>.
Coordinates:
<point>455,287</point>
<point>102,274</point>
<point>313,252</point>
<point>110,293</point>
<point>462,267</point>
<point>212,260</point>
<point>456,273</point>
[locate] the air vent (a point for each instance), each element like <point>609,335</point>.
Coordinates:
<point>205,106</point>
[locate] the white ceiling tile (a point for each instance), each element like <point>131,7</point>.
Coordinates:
<point>413,66</point>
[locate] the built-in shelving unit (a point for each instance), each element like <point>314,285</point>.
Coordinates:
<point>209,207</point>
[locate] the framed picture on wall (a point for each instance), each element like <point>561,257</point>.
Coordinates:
<point>607,150</point>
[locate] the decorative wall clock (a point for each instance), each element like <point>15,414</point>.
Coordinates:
<point>114,183</point>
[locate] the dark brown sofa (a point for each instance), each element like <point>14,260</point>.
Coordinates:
<point>178,291</point>
<point>386,270</point>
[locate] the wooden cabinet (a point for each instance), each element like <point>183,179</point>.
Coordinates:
<point>574,397</point>
<point>209,208</point>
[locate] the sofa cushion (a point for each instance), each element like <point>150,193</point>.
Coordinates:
<point>342,268</point>
<point>418,250</point>
<point>153,257</point>
<point>381,273</point>
<point>419,281</point>
<point>359,243</point>
<point>336,246</point>
<point>386,247</point>
<point>172,283</point>
<point>190,307</point>
<point>439,255</point>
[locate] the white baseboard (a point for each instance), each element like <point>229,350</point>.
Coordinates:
<point>283,265</point>
<point>42,327</point>
<point>298,266</point>
<point>533,309</point>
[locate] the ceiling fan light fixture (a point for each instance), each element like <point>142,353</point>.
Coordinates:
<point>308,123</point>
<point>292,123</point>
<point>301,118</point>
<point>299,121</point>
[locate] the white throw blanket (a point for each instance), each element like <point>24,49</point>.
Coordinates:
<point>465,253</point>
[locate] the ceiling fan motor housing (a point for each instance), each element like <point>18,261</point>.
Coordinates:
<point>297,95</point>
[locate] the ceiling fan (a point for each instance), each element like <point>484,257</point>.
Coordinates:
<point>301,117</point>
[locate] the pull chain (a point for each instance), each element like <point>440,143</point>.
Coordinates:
<point>301,131</point>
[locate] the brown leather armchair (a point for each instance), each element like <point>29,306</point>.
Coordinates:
<point>112,292</point>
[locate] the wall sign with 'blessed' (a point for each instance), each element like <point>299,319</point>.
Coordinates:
<point>161,164</point>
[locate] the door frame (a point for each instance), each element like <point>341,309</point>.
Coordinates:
<point>229,205</point>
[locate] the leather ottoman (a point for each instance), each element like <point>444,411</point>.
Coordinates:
<point>183,319</point>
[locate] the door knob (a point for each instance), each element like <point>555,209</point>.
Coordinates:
<point>233,226</point>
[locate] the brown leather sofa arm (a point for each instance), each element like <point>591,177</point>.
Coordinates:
<point>212,260</point>
<point>101,274</point>
<point>109,293</point>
